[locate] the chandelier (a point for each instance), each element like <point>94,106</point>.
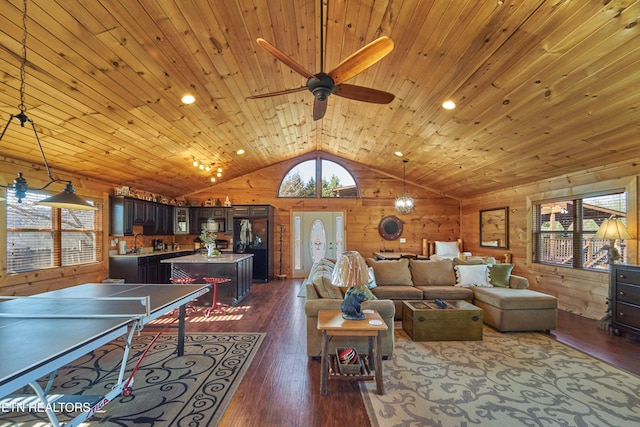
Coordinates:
<point>67,198</point>
<point>404,203</point>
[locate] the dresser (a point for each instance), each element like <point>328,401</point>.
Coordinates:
<point>625,298</point>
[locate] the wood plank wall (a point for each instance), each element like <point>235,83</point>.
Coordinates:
<point>579,292</point>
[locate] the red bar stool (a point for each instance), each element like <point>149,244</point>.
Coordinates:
<point>216,307</point>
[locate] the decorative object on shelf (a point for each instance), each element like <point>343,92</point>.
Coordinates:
<point>404,204</point>
<point>68,198</point>
<point>227,202</point>
<point>351,271</point>
<point>208,203</point>
<point>209,240</point>
<point>612,229</point>
<point>218,202</point>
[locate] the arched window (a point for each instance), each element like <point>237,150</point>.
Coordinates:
<point>302,180</point>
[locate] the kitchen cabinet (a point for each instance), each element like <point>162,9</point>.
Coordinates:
<point>146,268</point>
<point>252,211</point>
<point>625,298</point>
<point>163,219</point>
<point>180,220</point>
<point>121,216</point>
<point>144,212</point>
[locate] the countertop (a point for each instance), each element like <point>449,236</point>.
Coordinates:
<point>154,253</point>
<point>224,258</point>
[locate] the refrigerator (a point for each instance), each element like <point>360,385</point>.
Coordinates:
<point>253,236</point>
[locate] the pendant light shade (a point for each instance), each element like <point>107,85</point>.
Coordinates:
<point>68,198</point>
<point>404,204</point>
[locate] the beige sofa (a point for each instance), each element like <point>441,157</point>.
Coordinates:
<point>506,302</point>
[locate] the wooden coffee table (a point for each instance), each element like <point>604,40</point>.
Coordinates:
<point>331,323</point>
<point>425,321</point>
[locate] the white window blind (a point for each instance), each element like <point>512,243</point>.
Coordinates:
<point>40,237</point>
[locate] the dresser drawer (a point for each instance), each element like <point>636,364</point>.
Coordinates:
<point>624,275</point>
<point>628,293</point>
<point>627,315</point>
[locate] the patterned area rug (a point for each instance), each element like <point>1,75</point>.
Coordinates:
<point>513,379</point>
<point>191,390</point>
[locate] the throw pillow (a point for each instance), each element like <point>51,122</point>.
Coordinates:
<point>372,278</point>
<point>447,248</point>
<point>432,273</point>
<point>391,272</point>
<point>500,274</point>
<point>472,275</point>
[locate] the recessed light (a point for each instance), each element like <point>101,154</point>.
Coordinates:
<point>188,99</point>
<point>201,167</point>
<point>213,179</point>
<point>399,153</point>
<point>240,151</point>
<point>448,105</point>
<point>219,169</point>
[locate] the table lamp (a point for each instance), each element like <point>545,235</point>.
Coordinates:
<point>351,271</point>
<point>612,229</point>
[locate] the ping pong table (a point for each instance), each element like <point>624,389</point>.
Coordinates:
<point>42,333</point>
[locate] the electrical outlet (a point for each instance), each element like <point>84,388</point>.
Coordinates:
<point>403,240</point>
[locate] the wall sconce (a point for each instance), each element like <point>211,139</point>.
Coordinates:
<point>68,199</point>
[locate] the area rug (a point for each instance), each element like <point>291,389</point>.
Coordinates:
<point>512,379</point>
<point>168,390</point>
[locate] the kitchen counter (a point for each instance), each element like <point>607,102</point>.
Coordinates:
<point>236,267</point>
<point>154,253</point>
<point>223,258</point>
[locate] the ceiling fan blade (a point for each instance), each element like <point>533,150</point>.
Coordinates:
<point>319,108</point>
<point>361,93</point>
<point>280,92</point>
<point>285,59</point>
<point>362,59</point>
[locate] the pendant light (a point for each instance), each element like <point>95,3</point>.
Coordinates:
<point>404,203</point>
<point>68,198</point>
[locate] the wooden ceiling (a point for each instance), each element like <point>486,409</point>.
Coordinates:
<point>543,88</point>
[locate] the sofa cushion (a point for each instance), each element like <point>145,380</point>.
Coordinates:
<point>474,260</point>
<point>446,292</point>
<point>472,275</point>
<point>391,273</point>
<point>365,290</point>
<point>397,292</point>
<point>515,299</point>
<point>500,274</point>
<point>432,273</point>
<point>321,281</point>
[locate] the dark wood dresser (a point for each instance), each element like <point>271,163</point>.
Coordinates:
<point>625,298</point>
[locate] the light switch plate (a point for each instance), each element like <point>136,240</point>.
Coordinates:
<point>403,240</point>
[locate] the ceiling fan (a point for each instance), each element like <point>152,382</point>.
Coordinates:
<point>324,84</point>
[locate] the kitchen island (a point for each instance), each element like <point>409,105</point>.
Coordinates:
<point>237,267</point>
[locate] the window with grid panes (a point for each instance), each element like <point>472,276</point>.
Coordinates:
<point>40,237</point>
<point>564,231</point>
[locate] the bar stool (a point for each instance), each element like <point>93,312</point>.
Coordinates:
<point>216,307</point>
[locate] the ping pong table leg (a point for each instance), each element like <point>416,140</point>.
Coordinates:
<point>181,317</point>
<point>47,408</point>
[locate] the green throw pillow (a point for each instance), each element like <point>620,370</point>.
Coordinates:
<point>499,275</point>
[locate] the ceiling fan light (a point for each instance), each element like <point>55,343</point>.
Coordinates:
<point>67,199</point>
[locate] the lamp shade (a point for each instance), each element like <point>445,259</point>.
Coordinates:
<point>67,199</point>
<point>612,229</point>
<point>350,270</point>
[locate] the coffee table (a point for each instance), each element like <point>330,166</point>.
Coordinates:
<point>331,323</point>
<point>425,321</point>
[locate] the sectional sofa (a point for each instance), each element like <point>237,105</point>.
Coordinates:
<point>506,302</point>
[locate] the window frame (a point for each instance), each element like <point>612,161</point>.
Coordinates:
<point>318,177</point>
<point>604,187</point>
<point>57,230</point>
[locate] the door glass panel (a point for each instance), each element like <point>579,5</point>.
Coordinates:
<point>317,241</point>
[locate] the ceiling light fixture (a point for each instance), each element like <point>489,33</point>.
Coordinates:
<point>399,153</point>
<point>448,105</point>
<point>188,99</point>
<point>240,151</point>
<point>404,203</point>
<point>68,199</point>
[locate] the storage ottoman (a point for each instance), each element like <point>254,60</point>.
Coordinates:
<point>508,309</point>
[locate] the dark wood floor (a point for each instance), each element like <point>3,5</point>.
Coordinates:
<point>282,386</point>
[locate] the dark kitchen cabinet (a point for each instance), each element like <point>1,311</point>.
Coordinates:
<point>121,216</point>
<point>144,212</point>
<point>143,268</point>
<point>163,219</point>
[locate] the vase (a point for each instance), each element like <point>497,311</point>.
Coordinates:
<point>210,248</point>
